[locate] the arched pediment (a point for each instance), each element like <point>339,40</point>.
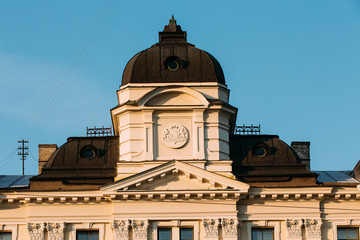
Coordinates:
<point>173,96</point>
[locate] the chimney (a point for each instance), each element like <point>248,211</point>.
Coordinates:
<point>45,152</point>
<point>303,151</point>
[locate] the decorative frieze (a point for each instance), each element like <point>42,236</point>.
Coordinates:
<point>211,228</point>
<point>55,231</point>
<point>36,231</point>
<point>230,228</point>
<point>294,228</point>
<point>313,228</point>
<point>140,229</point>
<point>121,229</point>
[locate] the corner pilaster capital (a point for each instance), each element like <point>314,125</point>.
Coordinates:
<point>120,229</point>
<point>211,228</point>
<point>313,228</point>
<point>140,229</point>
<point>230,228</point>
<point>36,231</point>
<point>294,228</point>
<point>55,231</point>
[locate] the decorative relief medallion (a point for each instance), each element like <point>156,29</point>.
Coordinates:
<point>175,135</point>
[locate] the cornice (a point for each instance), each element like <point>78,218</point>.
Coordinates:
<point>99,196</point>
<point>305,193</point>
<point>180,195</point>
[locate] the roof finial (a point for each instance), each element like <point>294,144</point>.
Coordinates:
<point>172,31</point>
<point>172,20</point>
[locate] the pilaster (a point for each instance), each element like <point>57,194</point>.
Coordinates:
<point>55,231</point>
<point>36,231</point>
<point>198,134</point>
<point>149,135</point>
<point>211,228</point>
<point>140,229</point>
<point>294,229</point>
<point>230,228</point>
<point>120,229</point>
<point>313,229</point>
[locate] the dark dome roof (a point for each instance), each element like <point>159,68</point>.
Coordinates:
<point>172,60</point>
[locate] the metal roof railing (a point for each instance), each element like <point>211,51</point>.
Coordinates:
<point>247,130</point>
<point>96,132</point>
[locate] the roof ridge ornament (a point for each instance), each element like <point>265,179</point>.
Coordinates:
<point>172,26</point>
<point>172,32</point>
<point>172,20</point>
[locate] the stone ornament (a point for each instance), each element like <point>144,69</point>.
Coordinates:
<point>230,227</point>
<point>175,135</point>
<point>294,228</point>
<point>121,229</point>
<point>55,231</point>
<point>36,231</point>
<point>313,228</point>
<point>211,227</point>
<point>140,229</point>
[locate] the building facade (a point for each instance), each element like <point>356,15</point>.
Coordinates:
<point>178,168</point>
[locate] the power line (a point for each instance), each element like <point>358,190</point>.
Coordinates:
<point>33,157</point>
<point>8,156</point>
<point>66,76</point>
<point>37,118</point>
<point>79,61</point>
<point>86,55</point>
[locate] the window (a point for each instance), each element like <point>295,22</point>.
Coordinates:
<point>87,235</point>
<point>167,233</point>
<point>5,235</point>
<point>262,234</point>
<point>175,230</point>
<point>348,233</point>
<point>88,152</point>
<point>173,63</point>
<point>164,234</point>
<point>186,234</point>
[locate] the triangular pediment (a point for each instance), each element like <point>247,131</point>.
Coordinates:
<point>176,176</point>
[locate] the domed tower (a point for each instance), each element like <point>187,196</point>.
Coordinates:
<point>173,105</point>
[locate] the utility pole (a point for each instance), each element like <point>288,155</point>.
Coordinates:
<point>22,152</point>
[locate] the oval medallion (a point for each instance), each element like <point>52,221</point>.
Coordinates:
<point>175,135</point>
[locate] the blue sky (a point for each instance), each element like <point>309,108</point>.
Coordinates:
<point>291,66</point>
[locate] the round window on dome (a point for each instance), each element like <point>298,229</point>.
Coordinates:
<point>260,152</point>
<point>173,63</point>
<point>88,152</point>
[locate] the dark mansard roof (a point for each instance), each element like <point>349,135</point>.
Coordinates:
<point>81,163</point>
<point>266,161</point>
